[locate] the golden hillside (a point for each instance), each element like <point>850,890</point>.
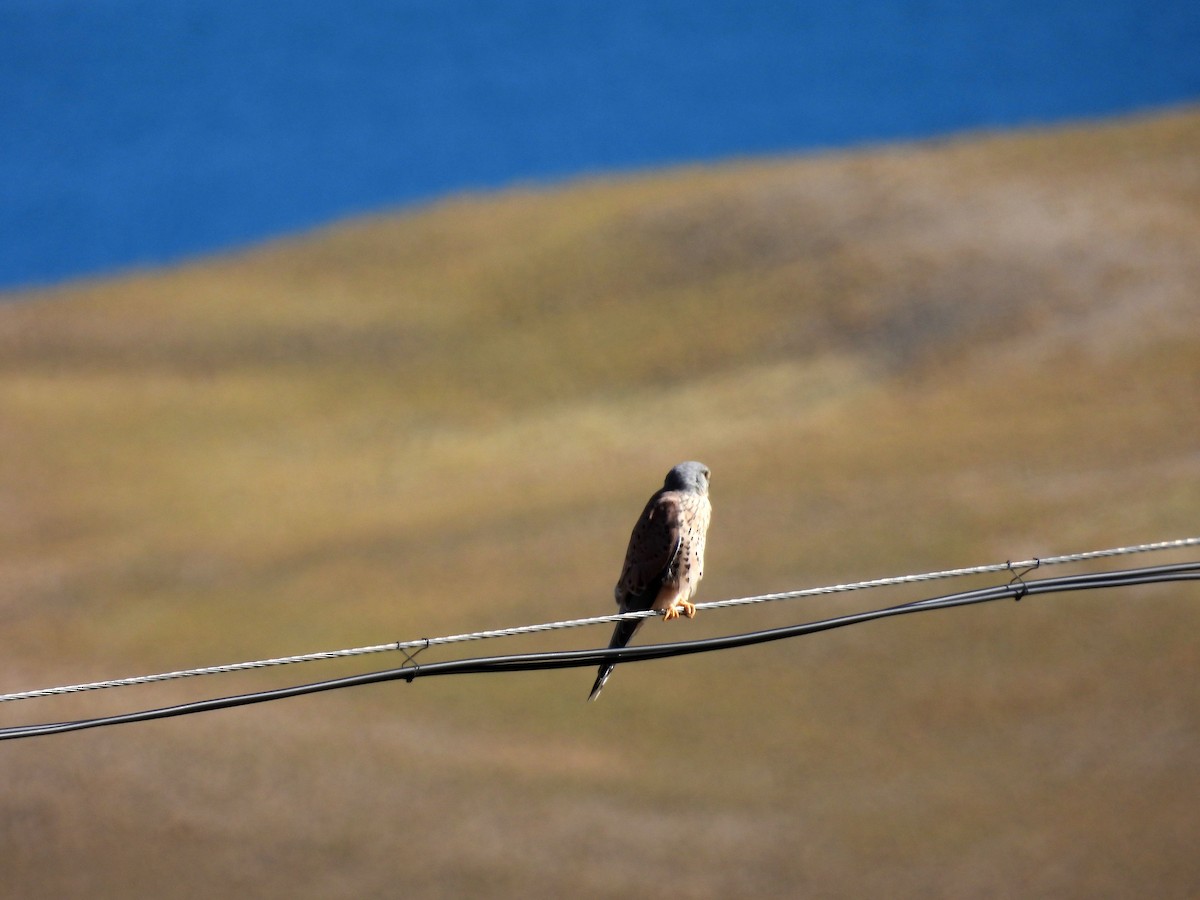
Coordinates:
<point>894,360</point>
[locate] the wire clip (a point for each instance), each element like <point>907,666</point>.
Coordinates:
<point>1018,580</point>
<point>410,659</point>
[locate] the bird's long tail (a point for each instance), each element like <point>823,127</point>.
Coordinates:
<point>621,635</point>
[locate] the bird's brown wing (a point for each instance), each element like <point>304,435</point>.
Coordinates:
<point>653,546</point>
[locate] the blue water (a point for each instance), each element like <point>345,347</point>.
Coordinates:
<point>141,131</point>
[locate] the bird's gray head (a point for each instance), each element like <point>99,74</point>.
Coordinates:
<point>688,476</point>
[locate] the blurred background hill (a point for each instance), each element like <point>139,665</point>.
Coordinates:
<point>142,134</point>
<point>894,360</point>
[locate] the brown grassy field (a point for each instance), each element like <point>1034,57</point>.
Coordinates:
<point>894,360</point>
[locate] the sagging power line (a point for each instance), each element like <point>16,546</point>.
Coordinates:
<point>1016,588</point>
<point>416,646</point>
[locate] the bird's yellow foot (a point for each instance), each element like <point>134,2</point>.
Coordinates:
<point>680,607</point>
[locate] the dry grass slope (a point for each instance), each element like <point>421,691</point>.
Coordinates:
<point>893,360</point>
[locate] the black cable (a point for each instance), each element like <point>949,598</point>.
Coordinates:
<point>567,659</point>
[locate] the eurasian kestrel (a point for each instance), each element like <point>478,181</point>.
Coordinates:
<point>665,559</point>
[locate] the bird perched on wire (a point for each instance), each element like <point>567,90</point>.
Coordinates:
<point>665,559</point>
